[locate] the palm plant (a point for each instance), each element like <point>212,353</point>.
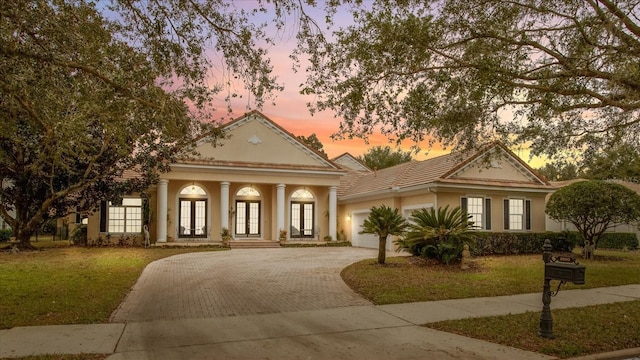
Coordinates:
<point>437,234</point>
<point>383,221</point>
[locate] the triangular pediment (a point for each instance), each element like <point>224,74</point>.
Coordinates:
<point>255,139</point>
<point>497,164</point>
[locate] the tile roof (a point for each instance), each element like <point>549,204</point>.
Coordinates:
<point>428,171</point>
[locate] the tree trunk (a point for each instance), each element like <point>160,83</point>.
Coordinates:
<point>382,249</point>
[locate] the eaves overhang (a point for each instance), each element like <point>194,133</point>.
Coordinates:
<point>254,170</point>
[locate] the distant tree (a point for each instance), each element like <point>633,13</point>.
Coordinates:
<point>313,142</point>
<point>593,206</point>
<point>618,162</point>
<point>437,234</point>
<point>560,170</point>
<point>383,222</point>
<point>379,157</point>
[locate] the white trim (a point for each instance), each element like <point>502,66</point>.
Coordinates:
<point>504,155</point>
<point>254,170</point>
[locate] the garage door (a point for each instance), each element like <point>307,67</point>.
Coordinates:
<point>365,240</point>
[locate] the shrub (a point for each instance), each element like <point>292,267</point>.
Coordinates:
<point>618,241</point>
<point>437,234</point>
<point>79,235</point>
<point>493,243</point>
<point>5,235</point>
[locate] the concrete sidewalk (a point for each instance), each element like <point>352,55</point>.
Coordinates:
<point>377,332</point>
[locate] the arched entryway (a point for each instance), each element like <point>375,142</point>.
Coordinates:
<point>193,212</point>
<point>248,213</point>
<point>303,214</point>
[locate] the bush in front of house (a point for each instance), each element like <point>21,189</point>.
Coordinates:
<point>5,235</point>
<point>511,243</point>
<point>79,235</point>
<point>618,241</point>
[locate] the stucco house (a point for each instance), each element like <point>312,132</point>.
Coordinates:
<point>499,190</point>
<point>263,180</point>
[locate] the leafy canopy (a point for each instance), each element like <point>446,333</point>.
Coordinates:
<point>379,157</point>
<point>90,91</point>
<point>561,75</point>
<point>593,206</point>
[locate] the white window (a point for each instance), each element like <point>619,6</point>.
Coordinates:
<point>517,214</point>
<point>126,217</point>
<point>479,210</point>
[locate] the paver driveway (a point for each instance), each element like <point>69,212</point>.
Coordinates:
<point>242,282</point>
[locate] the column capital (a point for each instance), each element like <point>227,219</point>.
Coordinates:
<point>225,183</point>
<point>281,186</point>
<point>163,181</point>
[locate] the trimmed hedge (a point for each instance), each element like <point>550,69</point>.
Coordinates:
<point>618,241</point>
<point>494,243</point>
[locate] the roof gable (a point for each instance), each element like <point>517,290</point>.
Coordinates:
<point>494,165</point>
<point>255,139</point>
<point>350,162</point>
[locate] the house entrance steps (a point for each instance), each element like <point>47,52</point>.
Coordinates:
<point>253,244</point>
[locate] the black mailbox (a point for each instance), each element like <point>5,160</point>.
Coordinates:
<point>565,271</point>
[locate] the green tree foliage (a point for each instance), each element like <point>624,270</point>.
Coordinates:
<point>383,222</point>
<point>85,97</point>
<point>313,142</point>
<point>437,234</point>
<point>593,206</point>
<point>558,74</point>
<point>560,171</point>
<point>620,162</point>
<point>78,108</point>
<point>379,157</point>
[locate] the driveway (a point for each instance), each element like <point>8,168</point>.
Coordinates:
<point>242,282</point>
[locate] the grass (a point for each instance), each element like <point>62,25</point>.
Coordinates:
<point>70,285</point>
<point>403,279</point>
<point>578,331</point>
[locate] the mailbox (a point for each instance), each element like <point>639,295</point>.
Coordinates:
<point>564,271</point>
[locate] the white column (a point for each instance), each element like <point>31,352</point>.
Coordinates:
<point>161,236</point>
<point>333,212</point>
<point>280,206</point>
<point>224,204</point>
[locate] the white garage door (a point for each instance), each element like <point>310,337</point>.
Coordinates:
<point>366,240</point>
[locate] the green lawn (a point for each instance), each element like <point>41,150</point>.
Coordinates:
<point>404,280</point>
<point>70,285</point>
<point>578,331</point>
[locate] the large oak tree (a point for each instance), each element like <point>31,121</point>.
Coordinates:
<point>558,74</point>
<point>91,94</point>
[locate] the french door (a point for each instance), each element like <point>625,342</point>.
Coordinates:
<point>247,218</point>
<point>193,218</point>
<point>302,219</point>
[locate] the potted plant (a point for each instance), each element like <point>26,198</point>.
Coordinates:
<point>226,235</point>
<point>283,235</point>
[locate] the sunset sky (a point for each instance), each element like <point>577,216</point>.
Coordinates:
<point>290,110</point>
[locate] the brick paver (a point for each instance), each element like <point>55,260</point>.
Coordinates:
<point>242,282</point>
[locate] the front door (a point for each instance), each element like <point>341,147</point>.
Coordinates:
<point>302,219</point>
<point>193,218</point>
<point>247,218</point>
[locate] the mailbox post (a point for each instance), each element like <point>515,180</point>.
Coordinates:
<point>562,268</point>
